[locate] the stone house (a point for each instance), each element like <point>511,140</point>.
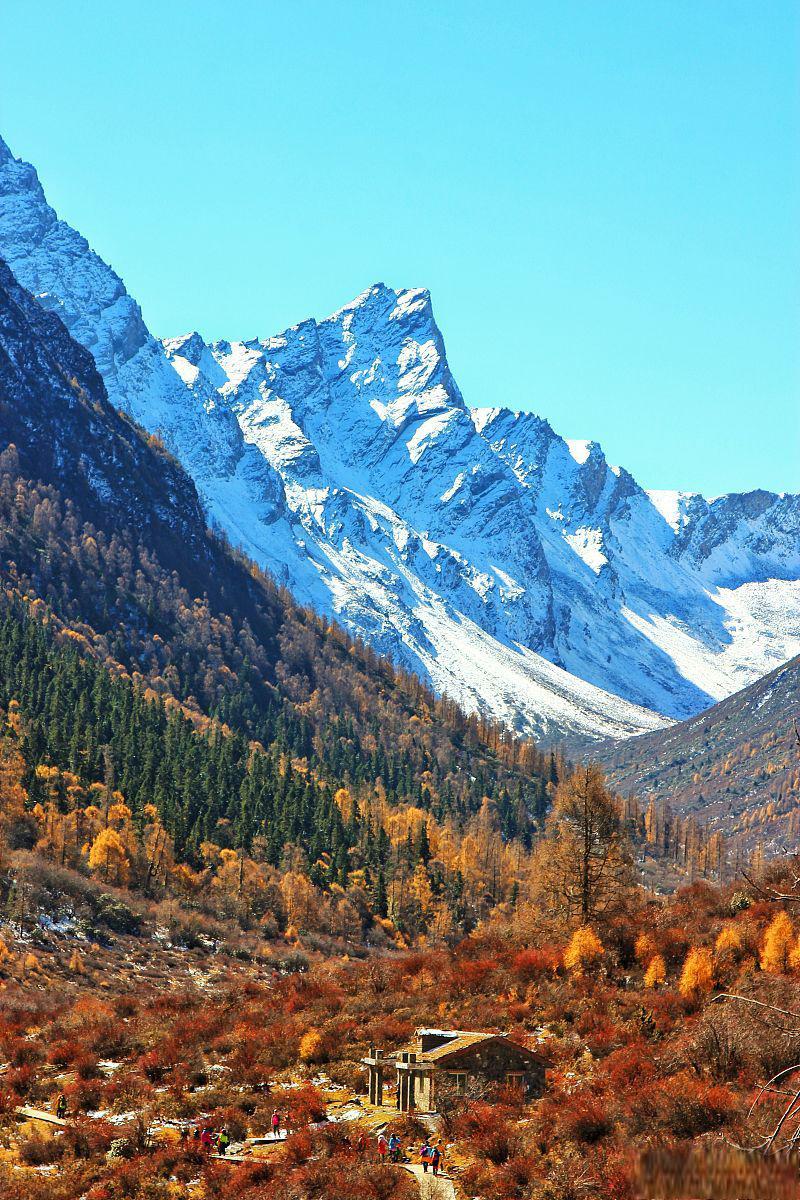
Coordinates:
<point>456,1060</point>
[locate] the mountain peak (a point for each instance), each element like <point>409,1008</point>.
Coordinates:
<point>582,449</point>
<point>398,301</point>
<point>189,346</point>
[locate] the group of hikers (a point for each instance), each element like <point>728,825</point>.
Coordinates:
<point>209,1140</point>
<point>391,1149</point>
<point>219,1142</point>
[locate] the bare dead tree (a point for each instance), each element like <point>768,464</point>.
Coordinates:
<point>776,1129</point>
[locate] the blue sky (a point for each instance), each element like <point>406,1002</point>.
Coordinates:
<point>602,197</point>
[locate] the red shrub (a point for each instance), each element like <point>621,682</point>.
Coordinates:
<point>691,1107</point>
<point>19,1080</point>
<point>298,1147</point>
<point>304,1104</point>
<point>528,964</point>
<point>62,1053</point>
<point>414,964</point>
<point>388,1029</point>
<point>630,1066</point>
<point>39,1151</point>
<point>22,1052</point>
<point>84,1096</point>
<point>472,975</point>
<point>86,1067</point>
<point>584,1117</point>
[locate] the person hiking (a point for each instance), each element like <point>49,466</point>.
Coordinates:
<point>223,1141</point>
<point>61,1107</point>
<point>276,1123</point>
<point>206,1140</point>
<point>383,1148</point>
<point>394,1148</point>
<point>436,1158</point>
<point>425,1156</point>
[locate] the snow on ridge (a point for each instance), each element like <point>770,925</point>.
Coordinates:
<point>375,289</point>
<point>410,300</point>
<point>671,505</point>
<point>483,417</point>
<point>580,449</point>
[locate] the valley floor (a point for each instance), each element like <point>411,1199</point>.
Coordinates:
<point>649,1078</point>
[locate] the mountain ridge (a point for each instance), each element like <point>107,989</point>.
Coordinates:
<point>515,571</point>
<point>736,765</point>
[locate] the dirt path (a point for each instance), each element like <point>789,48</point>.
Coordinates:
<point>39,1114</point>
<point>432,1187</point>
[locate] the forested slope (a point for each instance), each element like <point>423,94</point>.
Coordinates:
<point>142,651</point>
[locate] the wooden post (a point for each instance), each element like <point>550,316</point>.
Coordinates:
<point>375,1077</point>
<point>402,1084</point>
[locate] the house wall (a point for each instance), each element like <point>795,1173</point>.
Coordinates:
<point>491,1063</point>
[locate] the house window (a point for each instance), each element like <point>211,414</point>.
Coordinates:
<point>515,1079</point>
<point>459,1079</point>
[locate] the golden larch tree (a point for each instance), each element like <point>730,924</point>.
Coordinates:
<point>697,976</point>
<point>584,950</point>
<point>656,972</point>
<point>584,864</point>
<point>109,858</point>
<point>778,944</point>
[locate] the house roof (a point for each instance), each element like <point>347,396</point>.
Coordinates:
<point>444,1033</point>
<point>459,1040</point>
<point>449,1036</point>
<point>463,1042</point>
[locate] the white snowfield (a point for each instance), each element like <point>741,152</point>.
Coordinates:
<point>519,573</point>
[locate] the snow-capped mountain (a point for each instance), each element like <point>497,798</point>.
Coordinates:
<point>520,573</point>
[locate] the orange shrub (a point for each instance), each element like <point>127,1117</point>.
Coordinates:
<point>584,950</point>
<point>582,1116</point>
<point>313,1048</point>
<point>778,945</point>
<point>697,977</point>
